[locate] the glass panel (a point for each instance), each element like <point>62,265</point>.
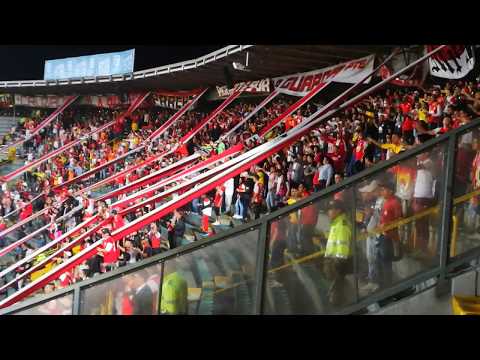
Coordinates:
<point>59,306</point>
<point>217,279</point>
<point>310,266</point>
<point>135,293</point>
<point>465,221</point>
<point>398,221</point>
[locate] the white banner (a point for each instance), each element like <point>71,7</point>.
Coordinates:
<point>453,62</point>
<point>349,72</point>
<point>258,86</point>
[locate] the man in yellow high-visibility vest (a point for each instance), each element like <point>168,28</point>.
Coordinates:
<point>338,253</point>
<point>174,299</point>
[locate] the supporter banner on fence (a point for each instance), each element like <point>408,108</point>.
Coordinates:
<point>257,86</point>
<point>6,100</point>
<point>348,72</point>
<point>47,101</point>
<point>53,101</point>
<point>174,99</point>
<point>452,62</point>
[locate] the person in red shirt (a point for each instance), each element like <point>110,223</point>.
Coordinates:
<point>406,106</point>
<point>407,128</point>
<point>108,250</point>
<point>26,211</point>
<point>218,202</point>
<point>117,221</point>
<point>3,226</point>
<point>308,221</point>
<point>120,180</point>
<point>155,238</point>
<point>257,199</point>
<point>133,176</point>
<point>388,240</point>
<point>357,163</point>
<point>434,113</point>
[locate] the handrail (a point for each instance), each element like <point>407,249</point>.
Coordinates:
<point>166,171</point>
<point>165,69</point>
<point>181,175</point>
<point>48,245</point>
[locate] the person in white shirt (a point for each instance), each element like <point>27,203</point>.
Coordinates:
<point>229,190</point>
<point>272,189</point>
<point>423,198</point>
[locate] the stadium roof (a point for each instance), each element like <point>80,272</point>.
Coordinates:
<point>209,70</point>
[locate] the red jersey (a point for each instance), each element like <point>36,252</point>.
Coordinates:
<point>110,254</point>
<point>433,109</point>
<point>133,177</point>
<point>405,107</point>
<point>155,240</point>
<point>65,279</point>
<point>407,124</point>
<point>308,215</point>
<point>392,210</point>
<point>219,197</point>
<point>359,151</point>
<point>118,222</point>
<point>205,223</point>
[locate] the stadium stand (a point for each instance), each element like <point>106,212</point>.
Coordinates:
<point>102,190</point>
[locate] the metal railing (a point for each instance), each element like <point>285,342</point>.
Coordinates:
<point>259,232</point>
<point>162,70</point>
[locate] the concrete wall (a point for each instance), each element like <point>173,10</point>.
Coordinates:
<point>428,303</point>
<point>425,303</point>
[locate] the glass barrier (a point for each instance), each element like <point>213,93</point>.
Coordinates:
<point>310,259</point>
<point>217,279</point>
<point>466,211</point>
<point>357,241</point>
<point>398,218</point>
<point>62,305</point>
<point>135,293</point>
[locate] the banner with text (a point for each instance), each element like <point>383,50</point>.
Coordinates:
<point>174,99</point>
<point>257,86</point>
<point>166,99</point>
<point>348,72</point>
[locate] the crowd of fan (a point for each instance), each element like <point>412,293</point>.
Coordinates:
<point>371,131</point>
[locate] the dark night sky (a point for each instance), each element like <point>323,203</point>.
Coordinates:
<point>27,62</point>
